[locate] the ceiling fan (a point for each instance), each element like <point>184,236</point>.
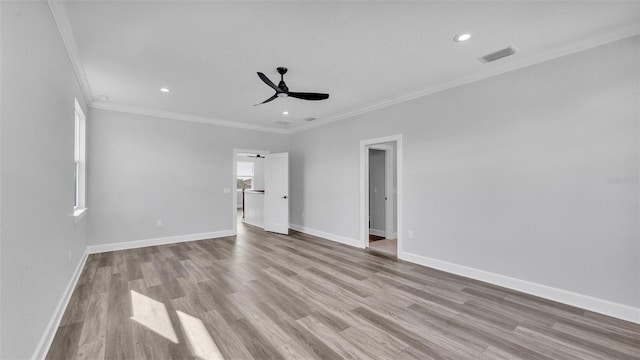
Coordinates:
<point>283,91</point>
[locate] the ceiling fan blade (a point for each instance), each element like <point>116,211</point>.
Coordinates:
<point>266,80</point>
<point>308,96</point>
<point>269,99</point>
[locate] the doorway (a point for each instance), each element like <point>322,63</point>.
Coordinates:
<point>381,194</point>
<point>261,196</point>
<point>249,187</point>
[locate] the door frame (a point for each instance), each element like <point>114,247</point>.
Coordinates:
<point>234,174</point>
<point>365,145</point>
<point>389,158</point>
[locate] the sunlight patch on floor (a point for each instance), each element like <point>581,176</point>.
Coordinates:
<point>153,315</point>
<point>200,342</point>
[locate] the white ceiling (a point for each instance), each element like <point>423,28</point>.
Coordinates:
<point>365,54</point>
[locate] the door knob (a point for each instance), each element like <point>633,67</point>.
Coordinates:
<point>284,197</point>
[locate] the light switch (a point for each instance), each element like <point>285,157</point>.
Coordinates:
<point>227,190</point>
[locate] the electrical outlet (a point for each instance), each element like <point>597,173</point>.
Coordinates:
<point>160,222</point>
<point>227,190</point>
<point>69,256</point>
<point>303,214</point>
<point>410,234</point>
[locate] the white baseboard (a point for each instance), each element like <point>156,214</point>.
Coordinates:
<point>377,232</point>
<point>606,307</point>
<point>328,236</point>
<point>47,338</point>
<point>94,249</point>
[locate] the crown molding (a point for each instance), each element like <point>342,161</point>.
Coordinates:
<point>61,19</point>
<point>495,69</point>
<point>184,117</point>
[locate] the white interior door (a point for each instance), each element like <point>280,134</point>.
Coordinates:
<point>276,192</point>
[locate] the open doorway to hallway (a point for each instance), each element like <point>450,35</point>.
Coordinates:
<point>382,202</point>
<point>380,180</point>
<point>249,184</point>
<point>261,179</point>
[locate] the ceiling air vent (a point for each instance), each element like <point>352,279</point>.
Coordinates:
<point>282,123</point>
<point>498,55</point>
<point>309,118</point>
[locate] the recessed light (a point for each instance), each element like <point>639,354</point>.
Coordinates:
<point>165,90</point>
<point>285,113</point>
<point>462,37</point>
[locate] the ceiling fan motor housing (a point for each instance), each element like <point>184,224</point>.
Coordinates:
<point>281,84</point>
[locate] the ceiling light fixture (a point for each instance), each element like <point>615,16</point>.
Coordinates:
<point>285,113</point>
<point>462,37</point>
<point>165,90</point>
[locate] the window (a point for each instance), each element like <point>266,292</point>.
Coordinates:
<point>245,175</point>
<point>79,171</point>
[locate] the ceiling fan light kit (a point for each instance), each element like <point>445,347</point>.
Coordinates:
<point>283,91</point>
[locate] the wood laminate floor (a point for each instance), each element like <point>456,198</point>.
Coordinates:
<point>375,237</point>
<point>385,246</point>
<point>267,296</point>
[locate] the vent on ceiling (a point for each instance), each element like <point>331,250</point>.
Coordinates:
<point>498,55</point>
<point>309,118</point>
<point>282,122</point>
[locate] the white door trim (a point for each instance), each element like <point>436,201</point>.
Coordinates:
<point>234,177</point>
<point>364,187</point>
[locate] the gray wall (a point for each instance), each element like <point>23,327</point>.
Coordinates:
<point>143,169</point>
<point>37,228</point>
<point>377,189</point>
<point>531,174</point>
